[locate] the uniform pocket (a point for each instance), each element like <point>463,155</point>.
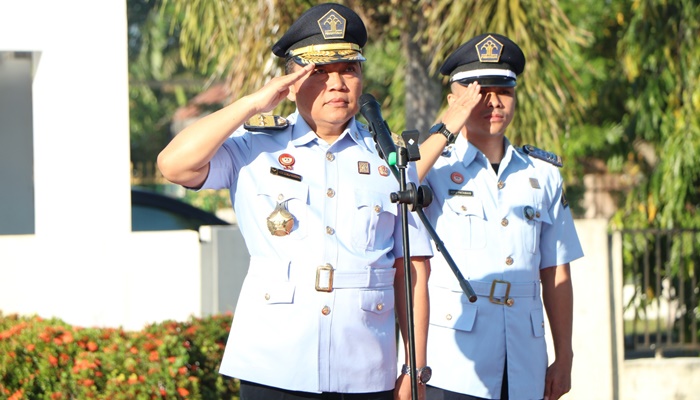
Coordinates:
<point>451,309</point>
<point>374,220</point>
<point>471,210</point>
<point>537,318</point>
<point>535,217</point>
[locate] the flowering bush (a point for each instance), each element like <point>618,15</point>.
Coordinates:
<point>49,359</point>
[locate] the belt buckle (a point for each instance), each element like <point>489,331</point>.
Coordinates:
<point>493,289</point>
<point>329,287</point>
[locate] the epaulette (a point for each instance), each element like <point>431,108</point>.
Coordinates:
<point>263,122</point>
<point>534,152</point>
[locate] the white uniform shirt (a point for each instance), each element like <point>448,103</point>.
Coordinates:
<point>505,227</point>
<point>285,333</point>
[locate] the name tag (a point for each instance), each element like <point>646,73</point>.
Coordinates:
<point>285,174</point>
<point>454,192</point>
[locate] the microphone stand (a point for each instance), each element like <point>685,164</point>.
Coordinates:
<point>417,197</point>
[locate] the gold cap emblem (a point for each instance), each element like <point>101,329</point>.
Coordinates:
<point>489,50</point>
<point>332,25</point>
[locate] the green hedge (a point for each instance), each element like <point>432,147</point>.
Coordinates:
<point>50,359</point>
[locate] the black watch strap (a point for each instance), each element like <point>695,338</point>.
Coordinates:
<point>442,129</point>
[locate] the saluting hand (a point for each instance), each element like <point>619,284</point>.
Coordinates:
<point>462,102</point>
<point>270,95</point>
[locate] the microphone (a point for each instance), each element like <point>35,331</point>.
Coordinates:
<point>371,110</point>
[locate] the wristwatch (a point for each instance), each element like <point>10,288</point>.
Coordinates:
<point>424,373</point>
<point>442,129</point>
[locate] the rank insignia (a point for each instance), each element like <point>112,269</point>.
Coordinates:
<point>457,178</point>
<point>363,167</point>
<point>489,50</point>
<point>383,170</point>
<point>286,160</point>
<point>261,122</point>
<point>534,152</point>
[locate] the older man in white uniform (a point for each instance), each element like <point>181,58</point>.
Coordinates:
<point>315,318</point>
<point>503,216</point>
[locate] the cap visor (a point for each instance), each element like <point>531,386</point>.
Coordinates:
<point>489,81</point>
<point>329,57</point>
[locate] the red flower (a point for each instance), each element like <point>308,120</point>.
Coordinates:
<point>88,382</point>
<point>183,392</point>
<point>92,346</point>
<point>153,356</point>
<point>53,360</point>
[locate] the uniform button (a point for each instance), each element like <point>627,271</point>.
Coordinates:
<point>543,324</point>
<point>464,208</point>
<point>504,222</point>
<point>380,306</point>
<point>280,197</point>
<point>330,230</point>
<point>510,302</point>
<point>448,317</point>
<point>330,192</point>
<point>267,296</point>
<point>330,156</point>
<point>501,184</point>
<point>326,310</point>
<point>509,260</point>
<point>377,209</point>
<point>537,214</point>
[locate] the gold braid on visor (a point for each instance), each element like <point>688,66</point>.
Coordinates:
<point>324,47</point>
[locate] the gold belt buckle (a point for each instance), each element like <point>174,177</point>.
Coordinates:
<point>505,300</point>
<point>330,270</point>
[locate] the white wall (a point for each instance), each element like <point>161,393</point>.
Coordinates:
<point>83,263</point>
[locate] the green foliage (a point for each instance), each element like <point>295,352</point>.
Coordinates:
<point>49,359</point>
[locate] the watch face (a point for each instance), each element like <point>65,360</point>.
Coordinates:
<point>424,374</point>
<point>436,128</point>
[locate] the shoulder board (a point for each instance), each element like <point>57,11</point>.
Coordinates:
<point>263,122</point>
<point>534,152</point>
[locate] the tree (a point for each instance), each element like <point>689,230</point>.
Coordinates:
<point>236,37</point>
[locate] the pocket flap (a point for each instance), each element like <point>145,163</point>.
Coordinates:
<point>377,301</point>
<point>451,309</point>
<point>466,205</point>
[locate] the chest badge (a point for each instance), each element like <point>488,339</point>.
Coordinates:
<point>383,170</point>
<point>529,213</point>
<point>457,178</point>
<point>286,160</point>
<point>363,167</point>
<point>280,222</point>
<point>534,183</point>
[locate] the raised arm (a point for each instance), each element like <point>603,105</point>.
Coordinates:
<point>461,103</point>
<point>185,160</point>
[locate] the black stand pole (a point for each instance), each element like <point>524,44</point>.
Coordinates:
<point>417,197</point>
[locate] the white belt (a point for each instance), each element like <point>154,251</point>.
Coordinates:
<point>502,292</point>
<point>328,278</point>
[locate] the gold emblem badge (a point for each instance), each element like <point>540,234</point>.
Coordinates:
<point>489,50</point>
<point>280,222</point>
<point>363,167</point>
<point>332,25</point>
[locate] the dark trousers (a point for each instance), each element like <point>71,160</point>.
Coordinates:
<point>254,391</point>
<point>433,393</point>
